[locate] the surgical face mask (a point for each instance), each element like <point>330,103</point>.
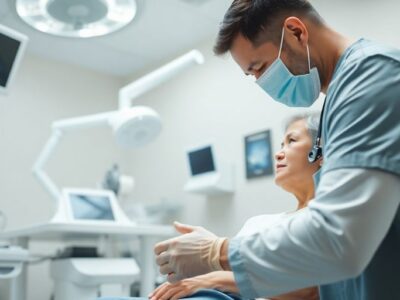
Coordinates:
<point>289,89</point>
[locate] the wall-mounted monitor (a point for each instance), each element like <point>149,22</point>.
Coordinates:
<point>201,160</point>
<point>207,174</point>
<point>12,48</point>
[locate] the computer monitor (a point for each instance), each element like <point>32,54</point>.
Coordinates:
<point>92,206</point>
<point>209,175</point>
<point>201,160</point>
<point>12,47</point>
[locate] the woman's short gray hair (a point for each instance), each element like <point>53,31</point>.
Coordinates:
<point>312,122</point>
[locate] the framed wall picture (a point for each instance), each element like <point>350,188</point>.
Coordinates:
<point>258,154</point>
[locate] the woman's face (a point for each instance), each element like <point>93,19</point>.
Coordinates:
<point>292,167</point>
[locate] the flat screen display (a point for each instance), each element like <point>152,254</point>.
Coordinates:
<point>8,52</point>
<point>201,161</point>
<point>91,207</point>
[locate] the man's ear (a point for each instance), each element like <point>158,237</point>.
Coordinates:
<point>297,29</point>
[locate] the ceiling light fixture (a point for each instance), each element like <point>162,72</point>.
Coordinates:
<point>77,18</point>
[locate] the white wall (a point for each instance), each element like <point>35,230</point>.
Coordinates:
<point>45,91</point>
<point>363,18</point>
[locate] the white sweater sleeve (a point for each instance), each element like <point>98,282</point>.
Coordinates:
<point>334,239</point>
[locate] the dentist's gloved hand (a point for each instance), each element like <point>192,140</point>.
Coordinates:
<point>195,252</point>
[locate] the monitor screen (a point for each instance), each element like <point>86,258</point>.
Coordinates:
<point>201,161</point>
<point>8,53</point>
<point>91,207</point>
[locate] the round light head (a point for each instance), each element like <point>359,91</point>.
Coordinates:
<point>136,126</point>
<point>77,18</point>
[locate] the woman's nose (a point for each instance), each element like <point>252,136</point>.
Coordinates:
<point>279,155</point>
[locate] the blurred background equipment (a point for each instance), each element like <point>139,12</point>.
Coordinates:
<point>133,126</point>
<point>122,185</point>
<point>12,48</point>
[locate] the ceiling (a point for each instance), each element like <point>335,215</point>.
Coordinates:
<point>161,30</point>
<point>164,29</point>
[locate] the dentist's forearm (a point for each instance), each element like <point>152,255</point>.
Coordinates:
<point>333,238</point>
<point>223,256</point>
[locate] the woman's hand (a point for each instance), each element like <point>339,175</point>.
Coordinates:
<point>180,289</point>
<point>221,280</point>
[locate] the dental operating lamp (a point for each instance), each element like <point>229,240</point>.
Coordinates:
<point>133,126</point>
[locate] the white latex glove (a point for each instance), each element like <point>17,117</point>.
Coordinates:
<point>193,253</point>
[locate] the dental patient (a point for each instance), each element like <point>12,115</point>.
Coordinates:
<point>295,175</point>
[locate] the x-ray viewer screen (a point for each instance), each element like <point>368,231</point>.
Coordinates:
<point>8,52</point>
<point>201,161</point>
<point>91,207</point>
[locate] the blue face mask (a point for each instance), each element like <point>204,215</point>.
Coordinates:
<point>289,89</point>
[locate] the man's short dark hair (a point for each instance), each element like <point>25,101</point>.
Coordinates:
<point>260,20</point>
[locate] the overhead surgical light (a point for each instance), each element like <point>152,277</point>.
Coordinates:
<point>77,18</point>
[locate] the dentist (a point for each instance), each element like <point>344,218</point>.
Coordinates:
<point>348,240</point>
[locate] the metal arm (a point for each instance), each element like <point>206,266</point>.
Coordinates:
<point>58,130</point>
<point>137,88</point>
<point>38,169</point>
<point>126,95</point>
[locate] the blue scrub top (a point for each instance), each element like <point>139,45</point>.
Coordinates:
<point>361,129</point>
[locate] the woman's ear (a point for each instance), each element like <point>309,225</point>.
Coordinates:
<point>320,161</point>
